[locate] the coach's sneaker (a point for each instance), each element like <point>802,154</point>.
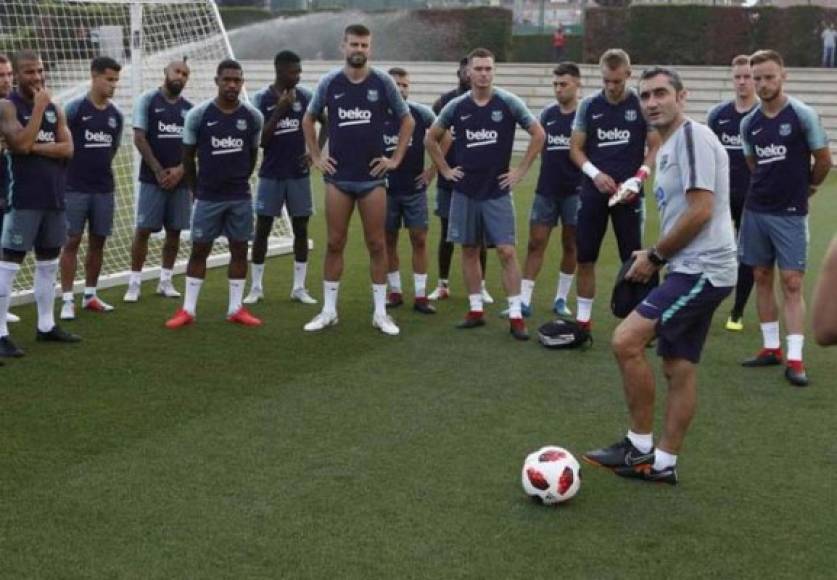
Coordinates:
<point>560,308</point>
<point>735,323</point>
<point>517,328</point>
<point>321,321</point>
<point>167,290</point>
<point>422,305</point>
<point>795,373</point>
<point>244,317</point>
<point>472,320</point>
<point>68,310</point>
<point>9,349</point>
<point>301,295</point>
<point>525,311</point>
<point>57,334</point>
<point>441,292</point>
<point>95,304</point>
<point>180,318</point>
<point>621,454</point>
<point>12,318</point>
<point>394,299</point>
<point>766,357</point>
<point>385,324</point>
<point>646,472</point>
<point>486,297</point>
<point>132,294</point>
<point>255,295</point>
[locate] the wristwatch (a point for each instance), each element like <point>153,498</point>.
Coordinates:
<point>655,258</point>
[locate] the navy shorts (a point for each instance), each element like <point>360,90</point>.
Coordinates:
<point>408,210</point>
<point>24,229</point>
<point>443,196</point>
<point>295,194</point>
<point>356,189</point>
<point>683,306</point>
<point>549,210</point>
<point>766,239</point>
<point>477,222</point>
<point>93,208</point>
<point>593,215</point>
<point>232,219</point>
<point>157,207</point>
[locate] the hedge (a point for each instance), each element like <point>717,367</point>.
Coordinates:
<point>237,16</point>
<point>538,48</point>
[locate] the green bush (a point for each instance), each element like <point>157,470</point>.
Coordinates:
<point>468,28</point>
<point>237,16</point>
<point>538,48</point>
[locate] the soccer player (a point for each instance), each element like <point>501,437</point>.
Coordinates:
<point>164,198</point>
<point>557,193</point>
<point>284,175</point>
<point>95,123</point>
<point>825,307</point>
<point>780,138</point>
<point>444,191</point>
<point>482,211</point>
<point>39,146</point>
<point>5,91</point>
<point>698,244</point>
<point>612,145</point>
<point>358,99</point>
<point>224,133</point>
<point>725,121</point>
<point>407,198</point>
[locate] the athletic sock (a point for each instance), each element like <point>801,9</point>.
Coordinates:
<point>420,285</point>
<point>443,283</point>
<point>795,343</point>
<point>135,278</point>
<point>193,289</point>
<point>67,296</point>
<point>642,441</point>
<point>482,286</point>
<point>526,289</point>
<point>44,291</point>
<point>89,292</point>
<point>236,292</point>
<point>379,299</point>
<point>330,291</point>
<point>475,301</point>
<point>300,273</point>
<point>257,273</point>
<point>664,460</point>
<point>394,281</point>
<point>565,282</point>
<point>165,275</point>
<point>514,306</point>
<point>585,309</point>
<point>770,335</point>
<point>8,272</point>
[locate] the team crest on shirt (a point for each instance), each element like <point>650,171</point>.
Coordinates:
<point>241,124</point>
<point>372,95</point>
<point>497,116</point>
<point>297,107</point>
<point>49,115</point>
<point>630,115</point>
<point>183,113</point>
<point>112,122</point>
<point>785,129</point>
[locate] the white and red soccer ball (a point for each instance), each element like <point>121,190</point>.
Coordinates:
<point>551,474</point>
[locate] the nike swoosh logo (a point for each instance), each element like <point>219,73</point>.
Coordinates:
<point>724,121</point>
<point>340,96</point>
<point>598,116</point>
<point>159,110</point>
<point>464,117</point>
<point>757,131</point>
<point>86,117</point>
<point>212,123</point>
<point>271,107</point>
<point>548,123</point>
<point>649,305</point>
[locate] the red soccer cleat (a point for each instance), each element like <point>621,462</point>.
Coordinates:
<point>244,317</point>
<point>180,318</point>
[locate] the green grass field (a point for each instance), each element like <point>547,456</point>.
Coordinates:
<point>224,452</point>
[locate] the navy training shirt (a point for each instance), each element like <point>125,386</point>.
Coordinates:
<point>559,176</point>
<point>356,116</point>
<point>725,121</point>
<point>226,144</point>
<point>97,134</point>
<point>402,180</point>
<point>450,157</point>
<point>162,122</point>
<point>284,155</point>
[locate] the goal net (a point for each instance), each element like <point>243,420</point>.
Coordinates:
<point>144,36</point>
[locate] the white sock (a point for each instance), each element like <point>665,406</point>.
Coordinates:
<point>585,309</point>
<point>88,292</point>
<point>770,334</point>
<point>193,289</point>
<point>379,299</point>
<point>565,282</point>
<point>236,292</point>
<point>300,272</point>
<point>795,343</point>
<point>420,285</point>
<point>44,291</point>
<point>443,282</point>
<point>330,291</point>
<point>165,275</point>
<point>482,285</point>
<point>394,281</point>
<point>8,272</point>
<point>664,459</point>
<point>257,274</point>
<point>642,441</point>
<point>67,296</point>
<point>526,289</point>
<point>135,278</point>
<point>476,302</point>
<point>514,306</point>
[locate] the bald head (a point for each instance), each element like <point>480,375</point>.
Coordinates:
<point>176,77</point>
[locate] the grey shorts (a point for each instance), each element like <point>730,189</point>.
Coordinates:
<point>409,210</point>
<point>232,219</point>
<point>158,207</point>
<point>443,202</point>
<point>272,194</point>
<point>24,229</point>
<point>766,239</point>
<point>475,222</point>
<point>549,210</point>
<point>356,189</point>
<point>93,208</point>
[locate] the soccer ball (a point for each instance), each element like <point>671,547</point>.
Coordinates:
<point>551,474</point>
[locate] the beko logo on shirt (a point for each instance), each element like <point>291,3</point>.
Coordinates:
<point>169,130</point>
<point>480,138</point>
<point>771,153</point>
<point>557,142</point>
<point>733,141</point>
<point>46,136</point>
<point>95,139</point>
<point>356,116</point>
<point>391,142</point>
<point>286,125</point>
<point>613,137</point>
<point>226,145</point>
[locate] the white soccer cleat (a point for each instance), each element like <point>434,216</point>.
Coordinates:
<point>385,324</point>
<point>256,295</point>
<point>321,321</point>
<point>167,290</point>
<point>68,310</point>
<point>440,293</point>
<point>302,295</point>
<point>12,318</point>
<point>132,294</point>
<point>486,297</point>
<point>95,304</point>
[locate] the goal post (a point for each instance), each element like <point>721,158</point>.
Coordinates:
<point>144,36</point>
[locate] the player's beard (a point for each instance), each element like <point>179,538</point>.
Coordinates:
<point>356,60</point>
<point>174,87</point>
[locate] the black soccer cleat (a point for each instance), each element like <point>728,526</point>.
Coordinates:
<point>621,454</point>
<point>766,357</point>
<point>796,375</point>
<point>423,306</point>
<point>9,349</point>
<point>57,334</point>
<point>646,472</point>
